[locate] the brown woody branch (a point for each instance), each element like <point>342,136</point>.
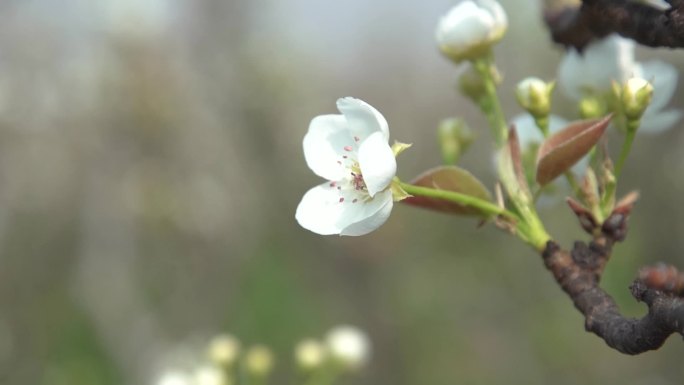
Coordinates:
<point>579,271</point>
<point>594,19</point>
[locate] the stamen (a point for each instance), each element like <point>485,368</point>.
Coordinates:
<point>347,148</point>
<point>341,199</point>
<point>356,139</point>
<point>332,184</point>
<point>355,200</point>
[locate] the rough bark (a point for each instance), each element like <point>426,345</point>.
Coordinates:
<point>579,271</point>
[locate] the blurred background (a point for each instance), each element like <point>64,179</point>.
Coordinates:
<point>151,164</point>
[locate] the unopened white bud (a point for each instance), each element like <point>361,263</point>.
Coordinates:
<point>349,346</point>
<point>534,95</point>
<point>470,29</point>
<point>636,95</point>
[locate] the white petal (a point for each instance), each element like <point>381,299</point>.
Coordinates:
<point>363,120</point>
<point>464,25</point>
<point>456,15</point>
<point>377,162</point>
<point>660,121</point>
<point>497,11</point>
<point>320,210</point>
<point>469,32</point>
<point>663,77</point>
<point>324,145</point>
<point>374,214</point>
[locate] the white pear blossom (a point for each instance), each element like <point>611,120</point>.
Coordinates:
<point>349,346</point>
<point>470,28</point>
<point>351,151</point>
<point>612,59</point>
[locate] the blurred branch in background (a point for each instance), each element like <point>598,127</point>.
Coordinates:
<point>653,23</point>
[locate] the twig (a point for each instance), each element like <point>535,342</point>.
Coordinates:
<point>579,271</point>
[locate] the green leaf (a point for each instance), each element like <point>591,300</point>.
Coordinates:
<point>563,149</point>
<point>449,178</point>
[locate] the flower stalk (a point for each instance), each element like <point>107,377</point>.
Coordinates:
<point>489,102</point>
<point>463,199</point>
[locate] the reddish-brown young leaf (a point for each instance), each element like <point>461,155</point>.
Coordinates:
<point>563,149</point>
<point>450,178</point>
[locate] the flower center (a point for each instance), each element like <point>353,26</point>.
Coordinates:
<point>352,188</point>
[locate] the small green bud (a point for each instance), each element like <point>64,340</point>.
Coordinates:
<point>471,85</point>
<point>454,138</point>
<point>534,95</point>
<point>635,97</point>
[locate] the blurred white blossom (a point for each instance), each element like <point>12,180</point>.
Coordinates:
<point>612,59</point>
<point>174,377</point>
<point>209,375</point>
<point>349,346</point>
<point>259,360</point>
<point>224,349</point>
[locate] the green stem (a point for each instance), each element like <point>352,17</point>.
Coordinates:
<point>528,225</point>
<point>543,125</point>
<point>632,126</point>
<point>489,102</point>
<point>608,200</point>
<point>456,197</point>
